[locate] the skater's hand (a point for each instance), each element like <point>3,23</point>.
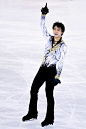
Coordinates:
<point>56,81</point>
<point>45,10</point>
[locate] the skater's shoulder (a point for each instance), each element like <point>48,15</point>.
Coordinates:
<point>63,43</point>
<point>51,38</point>
<point>63,46</point>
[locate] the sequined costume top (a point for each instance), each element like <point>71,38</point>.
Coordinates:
<point>54,55</point>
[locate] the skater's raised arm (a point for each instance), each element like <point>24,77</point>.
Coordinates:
<point>44,11</point>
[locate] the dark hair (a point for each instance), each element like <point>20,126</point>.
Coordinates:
<point>59,25</point>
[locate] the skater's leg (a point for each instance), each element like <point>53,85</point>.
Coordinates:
<point>49,119</point>
<point>50,102</point>
<point>37,83</point>
<point>51,72</point>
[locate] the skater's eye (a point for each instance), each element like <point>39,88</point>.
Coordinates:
<point>58,29</point>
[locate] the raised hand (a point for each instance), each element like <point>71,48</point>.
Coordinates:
<point>45,10</point>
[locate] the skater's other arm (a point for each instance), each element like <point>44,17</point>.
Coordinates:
<point>57,60</point>
<point>59,64</point>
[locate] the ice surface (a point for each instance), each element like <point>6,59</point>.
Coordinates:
<point>21,53</point>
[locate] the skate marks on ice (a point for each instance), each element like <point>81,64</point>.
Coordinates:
<point>12,84</point>
<point>14,96</point>
<point>70,108</point>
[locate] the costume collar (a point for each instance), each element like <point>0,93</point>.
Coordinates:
<point>60,41</point>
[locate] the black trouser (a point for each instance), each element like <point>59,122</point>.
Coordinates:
<point>44,74</point>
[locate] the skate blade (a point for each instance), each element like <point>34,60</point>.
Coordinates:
<point>47,125</point>
<point>32,119</point>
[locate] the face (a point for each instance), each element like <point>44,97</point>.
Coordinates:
<point>57,32</point>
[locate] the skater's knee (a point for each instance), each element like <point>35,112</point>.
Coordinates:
<point>49,93</point>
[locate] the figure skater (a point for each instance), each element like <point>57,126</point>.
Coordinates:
<point>49,71</point>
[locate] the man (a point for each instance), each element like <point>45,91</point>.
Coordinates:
<point>49,70</point>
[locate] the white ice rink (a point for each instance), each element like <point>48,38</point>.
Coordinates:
<point>21,52</point>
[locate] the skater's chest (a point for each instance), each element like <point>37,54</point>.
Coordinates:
<point>52,48</point>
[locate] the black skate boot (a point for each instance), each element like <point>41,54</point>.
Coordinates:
<point>47,122</point>
<point>29,116</point>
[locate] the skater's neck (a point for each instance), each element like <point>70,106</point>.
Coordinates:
<point>56,39</point>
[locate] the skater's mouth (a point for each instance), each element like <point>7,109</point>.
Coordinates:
<point>56,34</point>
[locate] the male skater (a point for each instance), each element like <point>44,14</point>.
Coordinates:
<point>49,70</point>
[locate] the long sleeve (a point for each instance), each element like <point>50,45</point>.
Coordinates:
<point>43,27</point>
<point>60,60</point>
